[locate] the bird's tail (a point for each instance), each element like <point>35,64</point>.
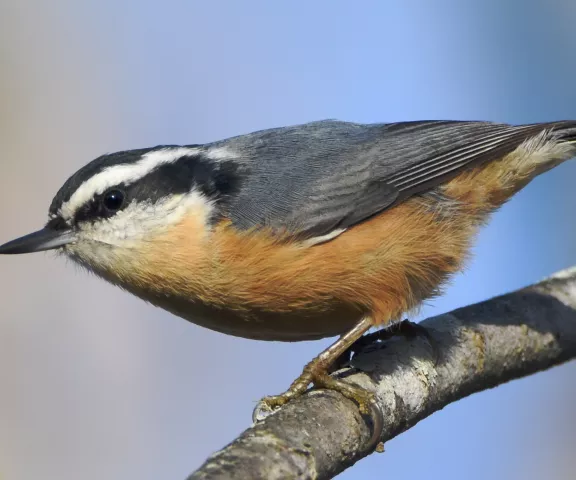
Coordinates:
<point>555,144</point>
<point>547,146</point>
<point>563,131</point>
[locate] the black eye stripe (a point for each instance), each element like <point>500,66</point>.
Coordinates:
<point>89,211</point>
<point>215,180</point>
<point>97,207</point>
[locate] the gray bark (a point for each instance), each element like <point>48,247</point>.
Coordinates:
<point>467,350</point>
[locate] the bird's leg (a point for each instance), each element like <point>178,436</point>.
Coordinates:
<point>373,341</point>
<point>316,372</point>
<point>405,327</point>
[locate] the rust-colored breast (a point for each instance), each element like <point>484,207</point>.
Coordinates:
<point>256,285</point>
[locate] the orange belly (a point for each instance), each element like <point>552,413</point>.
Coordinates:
<point>254,285</point>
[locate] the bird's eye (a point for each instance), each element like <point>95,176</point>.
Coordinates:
<point>113,200</point>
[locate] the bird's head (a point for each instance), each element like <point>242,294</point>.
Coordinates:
<point>118,202</point>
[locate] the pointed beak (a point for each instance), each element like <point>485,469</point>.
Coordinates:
<point>45,239</point>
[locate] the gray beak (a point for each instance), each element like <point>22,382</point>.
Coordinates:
<point>45,239</point>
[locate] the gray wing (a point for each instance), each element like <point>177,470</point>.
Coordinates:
<point>312,179</point>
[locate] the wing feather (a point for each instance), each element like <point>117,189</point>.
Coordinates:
<point>313,179</point>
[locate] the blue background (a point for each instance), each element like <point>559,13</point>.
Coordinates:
<point>95,383</point>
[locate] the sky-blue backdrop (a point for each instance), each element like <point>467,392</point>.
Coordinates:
<point>96,384</point>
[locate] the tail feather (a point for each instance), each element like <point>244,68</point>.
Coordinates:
<point>562,131</point>
<point>555,144</point>
<point>500,180</point>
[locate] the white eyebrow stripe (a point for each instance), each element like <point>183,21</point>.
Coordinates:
<point>123,173</point>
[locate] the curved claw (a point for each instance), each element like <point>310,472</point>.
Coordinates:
<point>377,418</point>
<point>262,411</point>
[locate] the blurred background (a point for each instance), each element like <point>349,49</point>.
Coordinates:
<point>96,384</point>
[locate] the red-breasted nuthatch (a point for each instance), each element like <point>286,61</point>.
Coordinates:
<point>297,233</point>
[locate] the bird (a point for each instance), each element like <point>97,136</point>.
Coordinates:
<point>295,233</point>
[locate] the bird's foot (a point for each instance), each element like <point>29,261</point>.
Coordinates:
<point>316,373</point>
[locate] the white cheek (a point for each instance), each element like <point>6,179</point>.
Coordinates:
<point>139,221</point>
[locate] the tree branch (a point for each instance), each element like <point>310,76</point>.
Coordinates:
<point>468,350</point>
